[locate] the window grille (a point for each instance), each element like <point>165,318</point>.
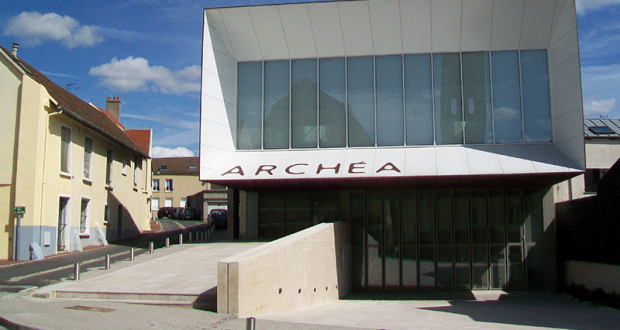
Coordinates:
<point>88,156</point>
<point>65,144</point>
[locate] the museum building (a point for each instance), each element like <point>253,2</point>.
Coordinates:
<point>435,128</point>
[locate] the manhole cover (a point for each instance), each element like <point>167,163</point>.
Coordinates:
<point>92,309</point>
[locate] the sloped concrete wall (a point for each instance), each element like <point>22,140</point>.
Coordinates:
<point>593,275</point>
<point>305,269</point>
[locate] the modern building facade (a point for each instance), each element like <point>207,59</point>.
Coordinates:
<point>602,142</point>
<point>79,177</point>
<point>435,128</point>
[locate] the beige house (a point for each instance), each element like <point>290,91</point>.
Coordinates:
<point>77,174</point>
<point>176,178</point>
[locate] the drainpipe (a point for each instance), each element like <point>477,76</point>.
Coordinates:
<point>47,122</point>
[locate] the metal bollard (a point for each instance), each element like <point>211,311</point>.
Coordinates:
<point>190,236</point>
<point>107,261</point>
<point>76,271</point>
<point>150,247</point>
<point>131,254</point>
<point>167,242</point>
<point>250,324</point>
<point>181,239</point>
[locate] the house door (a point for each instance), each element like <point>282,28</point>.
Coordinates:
<point>119,223</point>
<point>63,212</point>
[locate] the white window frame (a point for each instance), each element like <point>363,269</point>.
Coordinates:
<point>155,204</point>
<point>125,166</point>
<point>109,167</point>
<point>68,157</point>
<point>88,168</point>
<point>85,217</point>
<point>168,185</point>
<point>168,202</point>
<point>136,161</point>
<point>106,214</point>
<point>183,202</point>
<point>153,185</point>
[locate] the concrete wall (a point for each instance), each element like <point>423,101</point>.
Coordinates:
<point>593,275</point>
<point>302,270</point>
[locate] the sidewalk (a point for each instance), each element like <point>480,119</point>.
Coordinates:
<point>156,292</point>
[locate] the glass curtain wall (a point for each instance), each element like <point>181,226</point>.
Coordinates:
<point>466,98</point>
<point>446,240</point>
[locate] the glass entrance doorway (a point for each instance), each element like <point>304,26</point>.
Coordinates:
<point>446,239</point>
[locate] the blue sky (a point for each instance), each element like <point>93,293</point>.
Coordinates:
<point>148,52</point>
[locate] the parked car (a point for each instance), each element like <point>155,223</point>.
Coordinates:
<point>218,218</point>
<point>187,213</point>
<point>176,213</point>
<point>165,212</point>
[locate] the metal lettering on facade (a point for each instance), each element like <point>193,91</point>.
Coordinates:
<point>355,168</point>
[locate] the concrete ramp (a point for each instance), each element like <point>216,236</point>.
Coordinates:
<point>180,275</point>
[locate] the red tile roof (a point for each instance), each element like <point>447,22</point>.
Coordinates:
<point>78,109</point>
<point>142,137</point>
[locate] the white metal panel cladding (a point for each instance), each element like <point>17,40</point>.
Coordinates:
<point>346,28</point>
<point>399,162</point>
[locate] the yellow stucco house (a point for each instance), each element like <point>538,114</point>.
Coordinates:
<point>79,177</point>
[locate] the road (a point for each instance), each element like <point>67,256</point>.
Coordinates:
<point>53,269</point>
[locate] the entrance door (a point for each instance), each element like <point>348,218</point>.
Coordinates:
<point>63,215</point>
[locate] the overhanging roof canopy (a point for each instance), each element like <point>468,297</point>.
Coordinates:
<point>353,28</point>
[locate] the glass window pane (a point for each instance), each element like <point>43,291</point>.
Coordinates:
<point>375,243</point>
<point>332,99</point>
<point>477,98</point>
<point>298,211</point>
<point>479,239</point>
<point>444,240</point>
<point>426,218</point>
<point>536,108</point>
<point>249,106</point>
<point>506,97</point>
<point>419,99</point>
<point>358,243</point>
<point>389,73</point>
<point>361,101</point>
<point>410,238</point>
<point>304,100</point>
<point>276,104</point>
<point>448,113</point>
<point>497,229</point>
<point>271,215</point>
<point>461,239</point>
<point>391,216</point>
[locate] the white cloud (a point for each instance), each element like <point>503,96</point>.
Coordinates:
<point>135,74</point>
<point>161,152</point>
<point>602,107</point>
<point>583,6</point>
<point>34,28</point>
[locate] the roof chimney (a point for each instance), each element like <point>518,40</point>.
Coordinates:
<point>15,48</point>
<point>113,106</point>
